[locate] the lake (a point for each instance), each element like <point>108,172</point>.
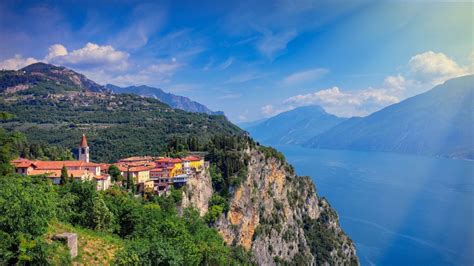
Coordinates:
<point>398,209</point>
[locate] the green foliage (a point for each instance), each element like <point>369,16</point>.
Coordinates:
<point>64,175</point>
<point>8,144</point>
<point>117,126</point>
<point>270,152</point>
<point>114,172</point>
<point>26,206</point>
<point>228,162</point>
<point>213,214</point>
<point>320,238</point>
<point>84,206</point>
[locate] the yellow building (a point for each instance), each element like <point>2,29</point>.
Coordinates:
<point>194,163</point>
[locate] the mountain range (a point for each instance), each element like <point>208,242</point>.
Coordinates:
<point>175,101</point>
<point>439,122</point>
<point>294,127</point>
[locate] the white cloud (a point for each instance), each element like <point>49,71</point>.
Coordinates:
<point>90,56</point>
<point>434,68</point>
<point>306,75</point>
<point>423,71</point>
<point>272,44</point>
<point>56,50</point>
<point>354,103</point>
<point>397,82</point>
<point>16,62</point>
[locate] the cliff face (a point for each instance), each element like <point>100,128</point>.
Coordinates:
<point>197,192</point>
<point>278,217</point>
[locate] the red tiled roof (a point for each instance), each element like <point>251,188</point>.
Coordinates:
<point>169,160</point>
<point>60,164</point>
<point>140,168</point>
<point>137,159</point>
<point>57,173</point>
<point>124,168</point>
<point>192,158</point>
<point>21,163</point>
<point>83,141</point>
<point>51,165</point>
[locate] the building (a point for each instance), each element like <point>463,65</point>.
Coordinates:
<point>83,151</point>
<point>175,164</point>
<point>193,164</point>
<point>80,170</point>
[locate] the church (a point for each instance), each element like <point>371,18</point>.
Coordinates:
<point>81,169</point>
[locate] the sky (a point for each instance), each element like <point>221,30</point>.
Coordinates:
<point>250,59</point>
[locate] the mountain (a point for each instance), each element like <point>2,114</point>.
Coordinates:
<point>439,122</point>
<point>294,127</point>
<point>38,74</point>
<point>246,125</point>
<point>175,101</point>
<point>249,194</point>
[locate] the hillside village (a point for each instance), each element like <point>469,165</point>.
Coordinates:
<point>149,174</point>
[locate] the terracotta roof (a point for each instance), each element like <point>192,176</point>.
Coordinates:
<point>101,177</point>
<point>21,163</point>
<point>140,168</point>
<point>157,170</point>
<point>83,141</point>
<point>169,160</point>
<point>104,166</point>
<point>60,164</point>
<point>124,168</point>
<point>137,159</point>
<point>192,158</point>
<point>57,173</point>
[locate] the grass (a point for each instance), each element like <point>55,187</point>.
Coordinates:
<point>94,248</point>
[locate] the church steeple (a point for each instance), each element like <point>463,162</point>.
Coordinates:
<point>83,150</point>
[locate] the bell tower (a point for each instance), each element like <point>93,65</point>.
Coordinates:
<point>83,150</point>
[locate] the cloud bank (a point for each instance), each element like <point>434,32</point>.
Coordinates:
<point>422,72</point>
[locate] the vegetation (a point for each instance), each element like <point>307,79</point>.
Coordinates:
<point>151,231</point>
<point>117,126</point>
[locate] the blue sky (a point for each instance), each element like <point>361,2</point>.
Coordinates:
<point>251,59</point>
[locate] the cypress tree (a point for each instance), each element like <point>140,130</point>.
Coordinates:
<point>64,175</point>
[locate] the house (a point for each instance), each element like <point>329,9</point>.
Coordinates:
<point>81,169</point>
<point>193,164</point>
<point>175,163</point>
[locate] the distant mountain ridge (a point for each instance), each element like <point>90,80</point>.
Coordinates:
<point>439,122</point>
<point>175,101</point>
<point>295,126</point>
<point>57,78</point>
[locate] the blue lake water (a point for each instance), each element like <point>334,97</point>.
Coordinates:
<point>398,209</point>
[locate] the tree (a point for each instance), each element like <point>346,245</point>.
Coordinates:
<point>27,204</point>
<point>114,172</point>
<point>101,216</point>
<point>130,183</point>
<point>64,175</point>
<point>8,151</point>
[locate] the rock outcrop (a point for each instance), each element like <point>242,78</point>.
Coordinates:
<point>197,192</point>
<point>277,216</point>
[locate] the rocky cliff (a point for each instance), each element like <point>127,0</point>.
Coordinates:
<point>277,216</point>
